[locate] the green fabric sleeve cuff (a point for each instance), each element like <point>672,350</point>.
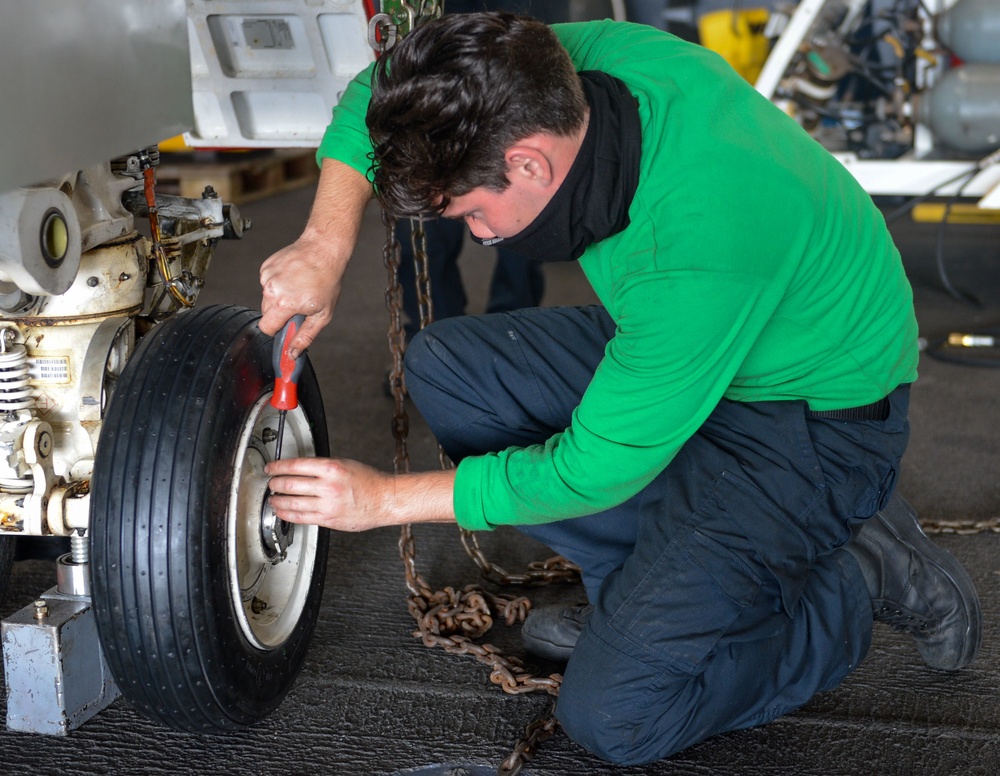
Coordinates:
<point>468,498</point>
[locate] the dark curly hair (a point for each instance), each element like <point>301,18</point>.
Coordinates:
<point>454,95</point>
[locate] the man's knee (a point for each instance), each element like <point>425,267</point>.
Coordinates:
<point>591,725</point>
<point>430,370</point>
<point>621,709</point>
<point>418,361</point>
<point>446,353</point>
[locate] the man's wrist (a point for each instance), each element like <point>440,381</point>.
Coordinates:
<point>424,497</point>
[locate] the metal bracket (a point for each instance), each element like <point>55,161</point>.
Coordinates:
<point>38,444</point>
<point>55,671</point>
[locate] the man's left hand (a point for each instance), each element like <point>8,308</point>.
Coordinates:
<point>347,495</point>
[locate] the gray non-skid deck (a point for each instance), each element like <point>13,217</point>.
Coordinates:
<point>373,700</point>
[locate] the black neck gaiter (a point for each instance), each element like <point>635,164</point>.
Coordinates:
<point>592,202</point>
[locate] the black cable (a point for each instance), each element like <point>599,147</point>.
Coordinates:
<point>961,296</point>
<point>982,164</point>
<point>905,208</point>
<point>985,343</point>
<point>865,72</point>
<point>968,175</point>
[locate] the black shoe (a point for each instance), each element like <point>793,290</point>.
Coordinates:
<point>552,631</point>
<point>918,587</point>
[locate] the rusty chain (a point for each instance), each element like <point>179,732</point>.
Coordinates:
<point>397,18</point>
<point>397,345</point>
<point>538,731</point>
<point>961,527</point>
<point>543,572</point>
<point>451,619</point>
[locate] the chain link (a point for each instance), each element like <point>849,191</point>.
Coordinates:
<point>421,271</point>
<point>961,527</point>
<point>452,619</point>
<point>547,572</point>
<point>397,345</point>
<point>398,17</point>
<point>538,731</point>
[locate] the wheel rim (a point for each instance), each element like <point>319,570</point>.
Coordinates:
<point>269,585</point>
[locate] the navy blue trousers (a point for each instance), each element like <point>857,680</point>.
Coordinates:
<point>721,599</point>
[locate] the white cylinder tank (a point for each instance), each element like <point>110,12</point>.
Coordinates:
<point>963,108</point>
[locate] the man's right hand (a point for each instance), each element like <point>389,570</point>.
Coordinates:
<point>300,278</point>
<point>305,277</point>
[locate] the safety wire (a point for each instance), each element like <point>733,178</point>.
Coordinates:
<point>452,619</point>
<point>158,249</point>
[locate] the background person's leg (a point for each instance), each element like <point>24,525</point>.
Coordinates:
<point>517,282</point>
<point>444,244</point>
<point>646,12</point>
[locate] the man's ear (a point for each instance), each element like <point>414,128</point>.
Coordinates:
<point>529,163</point>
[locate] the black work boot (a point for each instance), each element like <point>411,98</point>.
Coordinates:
<point>552,631</point>
<point>918,587</point>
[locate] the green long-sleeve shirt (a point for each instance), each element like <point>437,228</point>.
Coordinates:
<point>754,268</point>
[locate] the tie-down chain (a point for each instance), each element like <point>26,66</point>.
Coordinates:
<point>452,619</point>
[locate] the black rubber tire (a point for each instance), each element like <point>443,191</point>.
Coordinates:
<point>160,495</point>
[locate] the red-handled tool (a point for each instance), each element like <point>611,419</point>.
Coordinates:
<point>286,376</point>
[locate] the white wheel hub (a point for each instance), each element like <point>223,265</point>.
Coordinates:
<point>270,562</point>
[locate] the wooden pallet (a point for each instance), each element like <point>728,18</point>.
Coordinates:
<point>237,176</point>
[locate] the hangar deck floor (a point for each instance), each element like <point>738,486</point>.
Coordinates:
<point>372,700</point>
